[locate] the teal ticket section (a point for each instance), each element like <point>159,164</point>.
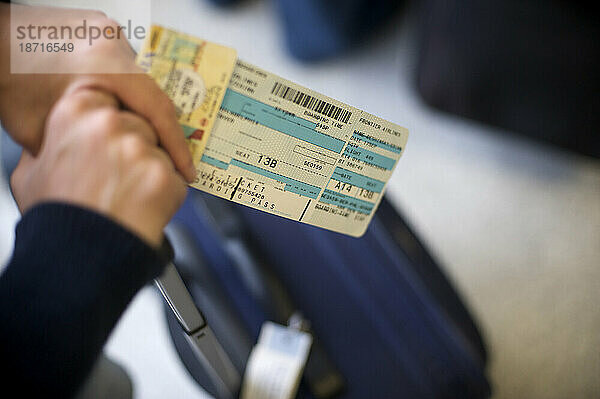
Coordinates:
<point>281,121</point>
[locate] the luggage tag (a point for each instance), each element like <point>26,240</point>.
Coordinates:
<point>276,363</point>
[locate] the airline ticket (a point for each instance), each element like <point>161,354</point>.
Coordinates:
<point>287,150</point>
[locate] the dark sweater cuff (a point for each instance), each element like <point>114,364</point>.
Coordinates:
<point>72,274</point>
<point>87,247</point>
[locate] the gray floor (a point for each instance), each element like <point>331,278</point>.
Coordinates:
<point>517,225</point>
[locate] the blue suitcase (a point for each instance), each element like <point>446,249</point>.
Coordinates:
<point>386,322</point>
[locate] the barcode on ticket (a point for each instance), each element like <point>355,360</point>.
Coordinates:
<point>309,102</point>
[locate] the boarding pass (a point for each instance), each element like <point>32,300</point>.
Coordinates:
<point>270,144</point>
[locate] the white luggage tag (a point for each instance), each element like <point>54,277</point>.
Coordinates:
<point>276,363</point>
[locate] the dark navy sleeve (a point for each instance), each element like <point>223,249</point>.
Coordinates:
<point>72,274</point>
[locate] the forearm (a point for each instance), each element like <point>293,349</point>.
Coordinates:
<point>71,276</point>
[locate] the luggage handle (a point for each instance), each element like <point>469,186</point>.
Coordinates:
<point>198,333</point>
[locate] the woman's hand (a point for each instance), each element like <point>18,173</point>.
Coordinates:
<point>97,156</point>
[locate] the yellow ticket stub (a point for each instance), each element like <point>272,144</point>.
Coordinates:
<point>194,73</point>
<point>282,148</point>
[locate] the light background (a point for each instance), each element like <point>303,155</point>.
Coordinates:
<point>515,224</point>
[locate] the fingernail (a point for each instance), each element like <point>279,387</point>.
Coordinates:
<point>191,172</point>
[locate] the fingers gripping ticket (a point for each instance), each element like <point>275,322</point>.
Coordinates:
<point>103,107</point>
<point>139,94</point>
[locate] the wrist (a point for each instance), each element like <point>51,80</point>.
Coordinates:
<point>111,249</point>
